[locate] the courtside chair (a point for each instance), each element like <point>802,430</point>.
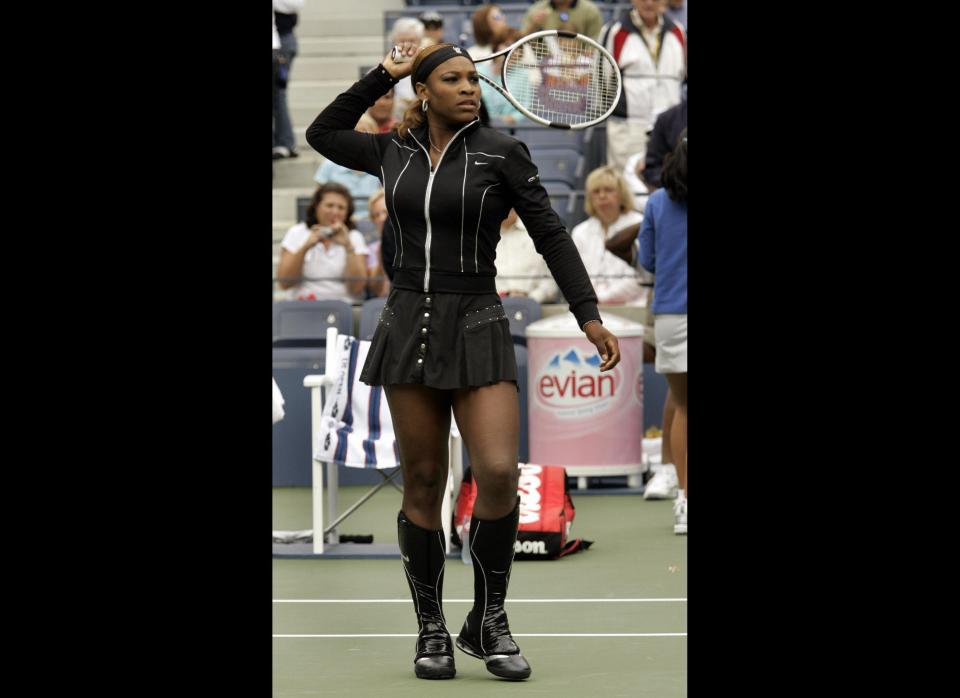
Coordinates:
<point>350,426</point>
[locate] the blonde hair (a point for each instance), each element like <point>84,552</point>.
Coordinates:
<point>602,176</point>
<point>374,197</point>
<point>415,116</point>
<point>367,124</point>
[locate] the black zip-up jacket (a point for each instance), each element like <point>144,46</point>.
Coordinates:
<point>447,222</point>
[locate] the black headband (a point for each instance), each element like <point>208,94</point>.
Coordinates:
<point>439,56</point>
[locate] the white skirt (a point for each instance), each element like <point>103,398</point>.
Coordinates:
<point>671,334</point>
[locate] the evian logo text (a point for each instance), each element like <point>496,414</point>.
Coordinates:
<point>573,386</point>
<point>571,382</point>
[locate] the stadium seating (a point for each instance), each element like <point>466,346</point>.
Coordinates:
<point>305,323</point>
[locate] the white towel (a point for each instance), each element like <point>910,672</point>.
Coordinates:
<point>356,429</point>
<point>277,403</point>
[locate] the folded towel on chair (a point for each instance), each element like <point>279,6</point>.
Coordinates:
<point>355,427</point>
<point>277,403</point>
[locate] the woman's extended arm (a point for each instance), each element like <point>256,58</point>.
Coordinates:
<point>550,238</point>
<point>331,134</point>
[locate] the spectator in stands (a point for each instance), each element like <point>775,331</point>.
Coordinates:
<point>285,19</point>
<point>521,270</point>
<point>581,16</point>
<point>651,52</point>
<point>677,11</point>
<point>666,131</point>
<point>367,124</point>
<point>405,29</point>
<point>276,76</point>
<point>432,26</point>
<point>323,258</point>
<point>497,105</point>
<point>382,113</point>
<point>610,206</point>
<point>631,173</point>
<point>378,285</point>
<point>489,23</point>
<point>663,251</point>
<point>360,184</point>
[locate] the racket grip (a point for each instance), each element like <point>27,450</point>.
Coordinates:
<point>396,57</point>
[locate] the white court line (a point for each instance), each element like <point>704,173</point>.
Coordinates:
<point>509,601</point>
<point>514,634</point>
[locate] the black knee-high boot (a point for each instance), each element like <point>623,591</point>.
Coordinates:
<point>485,633</point>
<point>423,556</point>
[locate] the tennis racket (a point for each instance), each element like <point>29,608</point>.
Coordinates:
<point>556,78</point>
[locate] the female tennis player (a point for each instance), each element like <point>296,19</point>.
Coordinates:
<point>443,340</point>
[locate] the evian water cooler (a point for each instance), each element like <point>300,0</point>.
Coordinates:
<point>587,421</point>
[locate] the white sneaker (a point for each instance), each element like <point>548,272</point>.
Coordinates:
<point>680,516</point>
<point>652,450</point>
<point>663,484</point>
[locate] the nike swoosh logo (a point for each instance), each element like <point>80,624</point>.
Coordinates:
<point>477,162</point>
<point>405,558</point>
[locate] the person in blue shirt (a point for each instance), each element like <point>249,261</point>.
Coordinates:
<point>663,251</point>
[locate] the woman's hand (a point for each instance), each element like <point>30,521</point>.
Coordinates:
<point>341,236</point>
<point>606,343</point>
<point>406,52</point>
<point>313,238</point>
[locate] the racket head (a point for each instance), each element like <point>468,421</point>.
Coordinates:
<point>560,79</point>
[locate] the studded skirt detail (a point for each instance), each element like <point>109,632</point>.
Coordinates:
<point>441,340</point>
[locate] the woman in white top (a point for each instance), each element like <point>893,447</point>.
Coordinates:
<point>610,205</point>
<point>323,258</point>
<point>521,270</point>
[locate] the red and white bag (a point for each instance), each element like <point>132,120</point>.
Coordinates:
<point>546,513</point>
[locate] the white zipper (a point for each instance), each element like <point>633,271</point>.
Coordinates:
<point>426,201</point>
<point>426,212</point>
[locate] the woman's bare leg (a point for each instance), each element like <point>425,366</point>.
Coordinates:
<point>489,421</point>
<point>421,422</point>
<point>678,430</point>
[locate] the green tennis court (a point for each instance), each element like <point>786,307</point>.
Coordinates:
<point>610,621</point>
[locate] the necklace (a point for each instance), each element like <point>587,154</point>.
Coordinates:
<point>430,140</point>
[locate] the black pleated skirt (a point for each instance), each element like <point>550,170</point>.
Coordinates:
<point>442,340</point>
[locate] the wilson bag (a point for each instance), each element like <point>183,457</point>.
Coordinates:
<point>546,513</point>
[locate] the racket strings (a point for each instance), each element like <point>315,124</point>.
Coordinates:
<point>561,80</point>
